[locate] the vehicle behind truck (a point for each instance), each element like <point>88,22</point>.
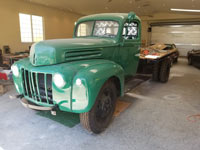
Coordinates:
<point>84,74</point>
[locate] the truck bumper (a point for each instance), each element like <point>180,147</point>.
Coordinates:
<point>27,104</point>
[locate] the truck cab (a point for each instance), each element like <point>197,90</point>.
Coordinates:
<point>84,74</point>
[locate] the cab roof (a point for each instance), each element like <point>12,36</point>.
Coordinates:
<point>107,16</point>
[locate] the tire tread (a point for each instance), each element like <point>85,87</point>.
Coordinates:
<point>85,118</point>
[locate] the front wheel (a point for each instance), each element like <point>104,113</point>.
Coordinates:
<point>100,116</point>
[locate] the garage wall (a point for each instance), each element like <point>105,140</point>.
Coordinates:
<point>57,23</point>
<point>164,17</point>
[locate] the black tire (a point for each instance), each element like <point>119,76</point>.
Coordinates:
<point>101,114</point>
<point>164,71</point>
<point>176,60</point>
<point>189,60</point>
<point>155,74</point>
<point>171,62</point>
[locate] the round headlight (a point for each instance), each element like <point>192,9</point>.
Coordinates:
<point>15,70</point>
<point>58,80</point>
<point>78,82</point>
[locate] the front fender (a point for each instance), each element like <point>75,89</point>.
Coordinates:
<point>92,79</point>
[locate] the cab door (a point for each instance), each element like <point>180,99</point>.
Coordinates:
<point>130,47</point>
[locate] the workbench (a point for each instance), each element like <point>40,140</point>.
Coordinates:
<point>9,59</point>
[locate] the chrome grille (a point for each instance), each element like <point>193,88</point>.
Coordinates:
<point>37,86</point>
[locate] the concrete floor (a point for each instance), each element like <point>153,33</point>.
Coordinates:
<point>156,120</point>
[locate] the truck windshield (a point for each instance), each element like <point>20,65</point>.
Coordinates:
<point>101,29</point>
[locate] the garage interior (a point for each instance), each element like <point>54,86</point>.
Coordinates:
<point>158,116</point>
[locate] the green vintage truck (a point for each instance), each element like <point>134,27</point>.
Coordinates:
<point>84,74</point>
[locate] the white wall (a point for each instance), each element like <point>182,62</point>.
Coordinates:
<point>164,17</point>
<point>57,23</point>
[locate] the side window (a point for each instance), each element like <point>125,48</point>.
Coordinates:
<point>130,30</point>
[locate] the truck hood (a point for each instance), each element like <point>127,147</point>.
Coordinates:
<point>51,52</point>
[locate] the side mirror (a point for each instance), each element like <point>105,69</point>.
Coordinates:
<point>131,16</point>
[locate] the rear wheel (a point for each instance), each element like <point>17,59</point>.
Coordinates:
<point>171,61</point>
<point>164,70</point>
<point>189,60</point>
<point>155,74</point>
<point>176,60</point>
<point>100,116</point>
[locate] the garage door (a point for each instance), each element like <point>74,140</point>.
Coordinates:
<point>186,37</point>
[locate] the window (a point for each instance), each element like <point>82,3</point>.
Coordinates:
<point>25,28</point>
<point>106,28</point>
<point>101,29</point>
<point>85,29</point>
<point>130,30</point>
<point>37,27</point>
<point>31,28</point>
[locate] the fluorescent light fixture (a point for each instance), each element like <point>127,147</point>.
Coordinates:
<point>176,26</point>
<point>185,10</point>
